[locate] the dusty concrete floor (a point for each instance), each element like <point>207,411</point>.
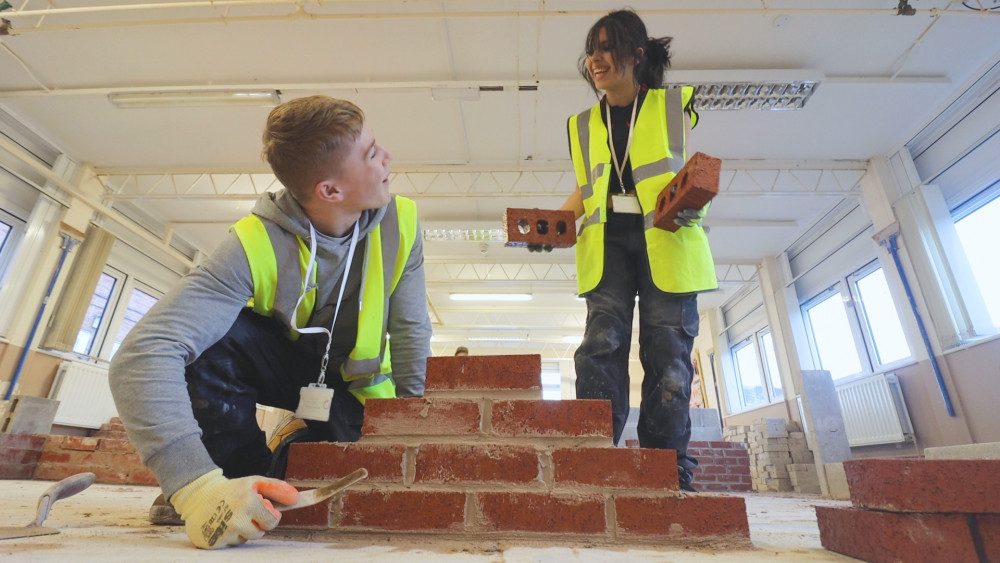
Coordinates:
<point>108,523</point>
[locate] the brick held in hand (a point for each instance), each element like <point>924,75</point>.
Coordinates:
<point>693,187</point>
<point>542,227</point>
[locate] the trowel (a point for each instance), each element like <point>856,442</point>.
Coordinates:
<point>65,488</point>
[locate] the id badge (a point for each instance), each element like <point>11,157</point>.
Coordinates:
<point>314,402</point>
<point>626,204</point>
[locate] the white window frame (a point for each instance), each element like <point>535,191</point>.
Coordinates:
<point>755,339</point>
<point>104,338</point>
<point>857,322</point>
<point>12,242</point>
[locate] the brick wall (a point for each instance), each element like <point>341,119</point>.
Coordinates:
<point>722,467</point>
<point>917,510</point>
<point>107,453</point>
<point>483,457</point>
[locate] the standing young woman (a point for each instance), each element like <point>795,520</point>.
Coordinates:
<point>619,254</point>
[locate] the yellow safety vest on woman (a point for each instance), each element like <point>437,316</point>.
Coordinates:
<point>680,262</point>
<point>368,367</point>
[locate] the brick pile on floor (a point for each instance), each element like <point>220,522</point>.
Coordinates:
<point>780,459</point>
<point>482,458</point>
<point>107,453</point>
<point>917,510</point>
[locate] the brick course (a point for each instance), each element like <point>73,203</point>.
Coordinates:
<point>925,485</point>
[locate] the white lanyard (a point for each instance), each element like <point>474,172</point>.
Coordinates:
<point>628,144</point>
<point>340,297</point>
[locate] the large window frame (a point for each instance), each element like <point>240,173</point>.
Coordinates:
<point>11,233</point>
<point>859,326</point>
<point>119,309</point>
<point>980,258</point>
<point>760,344</point>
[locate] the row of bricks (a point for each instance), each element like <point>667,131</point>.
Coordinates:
<point>494,418</point>
<point>714,450</point>
<point>593,514</point>
<point>461,464</point>
<point>110,466</point>
<point>19,454</point>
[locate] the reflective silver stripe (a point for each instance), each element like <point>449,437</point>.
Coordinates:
<point>675,126</point>
<point>368,381</point>
<point>583,134</point>
<point>370,365</point>
<point>657,168</point>
<point>593,219</point>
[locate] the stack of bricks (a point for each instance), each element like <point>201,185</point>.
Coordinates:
<point>780,459</point>
<point>722,467</point>
<point>917,510</point>
<point>107,453</point>
<point>483,458</point>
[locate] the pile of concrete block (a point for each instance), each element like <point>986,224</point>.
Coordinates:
<point>780,459</point>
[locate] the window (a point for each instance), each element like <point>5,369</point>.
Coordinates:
<point>979,230</point>
<point>757,379</point>
<point>110,313</point>
<point>11,230</point>
<point>551,381</point>
<point>853,327</point>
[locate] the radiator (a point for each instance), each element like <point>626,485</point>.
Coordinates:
<point>83,394</point>
<point>874,411</point>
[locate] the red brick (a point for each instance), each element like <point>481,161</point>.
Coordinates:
<point>404,510</point>
<point>19,455</point>
<point>462,373</point>
<point>682,517</point>
<point>331,460</point>
<point>925,485</point>
<point>141,476</point>
<point>552,418</point>
<point>693,186</point>
<point>450,463</point>
<point>10,470</point>
<point>316,516</point>
<point>422,417</point>
<point>616,467</point>
<point>540,512</point>
<point>878,536</point>
<point>115,445</point>
<point>74,443</point>
<point>545,227</point>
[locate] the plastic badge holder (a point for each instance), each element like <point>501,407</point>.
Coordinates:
<point>314,402</point>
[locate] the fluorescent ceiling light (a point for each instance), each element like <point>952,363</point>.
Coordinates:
<point>753,95</point>
<point>499,338</point>
<point>479,235</point>
<point>573,339</point>
<point>128,100</point>
<point>490,296</point>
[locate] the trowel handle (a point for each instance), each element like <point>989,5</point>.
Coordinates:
<point>65,488</point>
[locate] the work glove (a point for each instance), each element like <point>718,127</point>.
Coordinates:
<point>689,217</point>
<point>220,512</point>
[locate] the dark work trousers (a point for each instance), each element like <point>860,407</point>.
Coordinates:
<point>668,323</point>
<point>256,362</point>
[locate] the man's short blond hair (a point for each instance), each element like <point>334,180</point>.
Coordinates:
<point>304,140</point>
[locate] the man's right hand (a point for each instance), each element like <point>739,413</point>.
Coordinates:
<point>220,512</point>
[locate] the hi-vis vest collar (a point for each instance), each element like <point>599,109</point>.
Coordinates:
<point>270,249</point>
<point>680,262</point>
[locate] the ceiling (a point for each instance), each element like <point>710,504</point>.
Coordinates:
<point>187,173</point>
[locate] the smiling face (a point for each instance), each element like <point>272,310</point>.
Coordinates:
<point>363,174</point>
<point>610,67</point>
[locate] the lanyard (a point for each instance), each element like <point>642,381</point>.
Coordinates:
<point>628,144</point>
<point>340,297</point>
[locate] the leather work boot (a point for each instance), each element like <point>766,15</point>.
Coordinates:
<point>162,513</point>
<point>288,430</point>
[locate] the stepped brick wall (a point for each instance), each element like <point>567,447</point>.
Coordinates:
<point>483,458</point>
<point>917,510</point>
<point>107,453</point>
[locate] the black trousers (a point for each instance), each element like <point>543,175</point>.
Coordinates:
<point>256,362</point>
<point>668,323</point>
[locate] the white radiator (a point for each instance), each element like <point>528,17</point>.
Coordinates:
<point>83,394</point>
<point>874,411</point>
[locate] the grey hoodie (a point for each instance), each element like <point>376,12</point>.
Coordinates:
<point>147,373</point>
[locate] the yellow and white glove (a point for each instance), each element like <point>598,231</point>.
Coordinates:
<point>220,512</point>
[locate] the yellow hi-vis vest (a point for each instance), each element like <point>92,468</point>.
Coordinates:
<point>368,367</point>
<point>680,262</point>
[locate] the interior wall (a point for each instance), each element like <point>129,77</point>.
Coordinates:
<point>37,375</point>
<point>975,372</point>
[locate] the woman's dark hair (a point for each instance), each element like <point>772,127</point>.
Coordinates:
<point>626,35</point>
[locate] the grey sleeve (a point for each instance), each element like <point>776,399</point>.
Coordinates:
<point>410,326</point>
<point>147,373</point>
